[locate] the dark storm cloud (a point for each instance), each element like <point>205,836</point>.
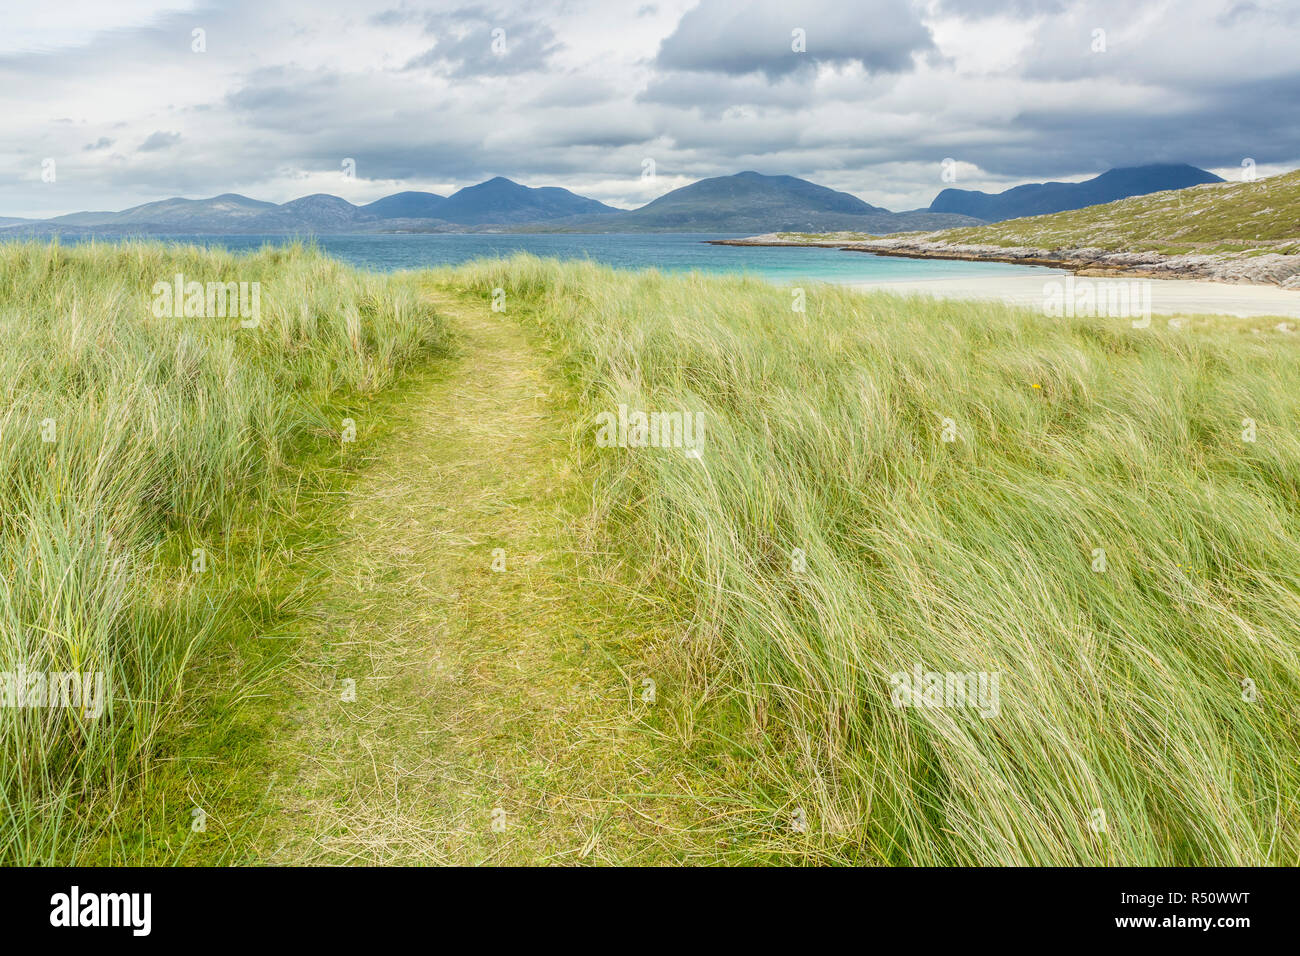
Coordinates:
<point>720,36</point>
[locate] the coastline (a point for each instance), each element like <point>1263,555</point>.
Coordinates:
<point>1269,269</point>
<point>1168,297</point>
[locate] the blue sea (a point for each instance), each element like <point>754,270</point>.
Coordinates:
<point>668,253</point>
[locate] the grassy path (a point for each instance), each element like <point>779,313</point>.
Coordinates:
<point>487,724</point>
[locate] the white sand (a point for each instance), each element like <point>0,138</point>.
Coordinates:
<point>1168,296</point>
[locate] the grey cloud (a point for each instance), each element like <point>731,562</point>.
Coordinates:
<point>596,128</point>
<point>983,9</point>
<point>159,140</point>
<point>685,91</point>
<point>1246,11</point>
<point>474,41</point>
<point>720,36</point>
<point>570,92</point>
<point>399,16</point>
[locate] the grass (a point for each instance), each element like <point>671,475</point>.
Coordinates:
<point>1248,218</point>
<point>478,689</point>
<point>169,435</point>
<point>1106,532</point>
<point>1146,705</point>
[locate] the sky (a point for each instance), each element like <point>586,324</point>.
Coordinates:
<point>106,105</point>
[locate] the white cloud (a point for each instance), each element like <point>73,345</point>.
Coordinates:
<point>289,88</point>
<point>36,27</point>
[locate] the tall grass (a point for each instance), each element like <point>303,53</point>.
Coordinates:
<point>167,432</point>
<point>1147,710</point>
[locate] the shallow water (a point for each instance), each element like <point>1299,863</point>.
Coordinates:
<point>670,253</point>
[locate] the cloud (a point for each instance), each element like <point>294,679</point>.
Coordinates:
<point>586,90</point>
<point>473,41</point>
<point>981,9</point>
<point>777,38</point>
<point>159,140</point>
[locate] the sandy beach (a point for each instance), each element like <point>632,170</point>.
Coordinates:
<point>1168,296</point>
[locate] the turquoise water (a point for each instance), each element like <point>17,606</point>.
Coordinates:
<point>669,253</point>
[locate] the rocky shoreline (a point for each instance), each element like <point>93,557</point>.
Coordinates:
<point>1266,269</point>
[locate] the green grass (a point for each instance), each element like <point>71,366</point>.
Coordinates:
<point>1121,690</point>
<point>1227,218</point>
<point>171,434</point>
<point>478,689</point>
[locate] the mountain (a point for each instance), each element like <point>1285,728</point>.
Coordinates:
<point>183,215</point>
<point>502,202</point>
<point>496,203</point>
<point>408,205</point>
<point>1036,199</point>
<point>744,203</point>
<point>319,212</point>
<point>752,202</point>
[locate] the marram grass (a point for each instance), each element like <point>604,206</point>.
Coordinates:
<point>1101,533</point>
<point>127,441</point>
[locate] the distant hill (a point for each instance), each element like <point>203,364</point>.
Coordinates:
<point>500,201</point>
<point>1218,218</point>
<point>1037,199</point>
<point>750,201</point>
<point>181,214</point>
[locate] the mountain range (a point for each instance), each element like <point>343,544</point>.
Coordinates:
<point>751,202</point>
<point>1038,199</point>
<point>746,202</point>
<point>496,202</point>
